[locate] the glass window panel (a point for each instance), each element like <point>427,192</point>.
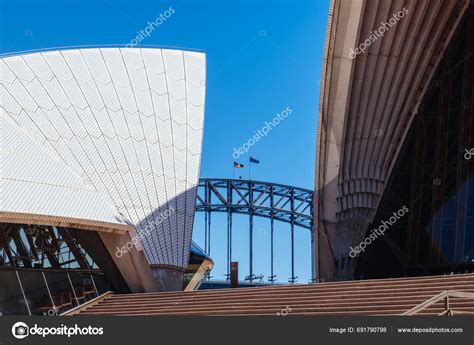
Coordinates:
<point>83,286</point>
<point>101,283</point>
<point>36,292</point>
<point>61,290</point>
<point>12,301</point>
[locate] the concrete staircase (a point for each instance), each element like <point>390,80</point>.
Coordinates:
<point>362,297</point>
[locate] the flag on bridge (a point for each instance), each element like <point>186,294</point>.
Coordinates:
<point>254,160</point>
<point>238,165</point>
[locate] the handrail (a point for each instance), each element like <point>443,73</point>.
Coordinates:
<point>198,277</point>
<point>84,306</point>
<point>444,295</point>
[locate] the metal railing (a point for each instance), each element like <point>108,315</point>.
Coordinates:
<point>77,310</point>
<point>445,295</point>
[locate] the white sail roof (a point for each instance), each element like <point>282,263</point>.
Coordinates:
<point>128,121</point>
<point>36,187</point>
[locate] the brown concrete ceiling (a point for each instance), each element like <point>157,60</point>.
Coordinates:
<point>367,103</point>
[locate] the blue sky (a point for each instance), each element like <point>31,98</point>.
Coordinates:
<point>262,57</point>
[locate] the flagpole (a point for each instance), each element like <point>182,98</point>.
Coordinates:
<point>250,168</point>
<point>233,171</point>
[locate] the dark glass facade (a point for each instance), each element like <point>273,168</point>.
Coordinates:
<point>434,177</point>
<point>46,291</point>
<point>47,270</point>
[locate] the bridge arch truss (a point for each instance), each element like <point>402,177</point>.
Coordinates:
<point>277,202</point>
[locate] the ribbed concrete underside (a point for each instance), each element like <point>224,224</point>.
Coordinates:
<point>370,297</point>
<point>367,103</point>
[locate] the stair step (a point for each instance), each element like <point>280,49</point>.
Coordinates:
<point>369,297</point>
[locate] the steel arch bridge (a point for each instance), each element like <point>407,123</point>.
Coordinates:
<point>276,202</point>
